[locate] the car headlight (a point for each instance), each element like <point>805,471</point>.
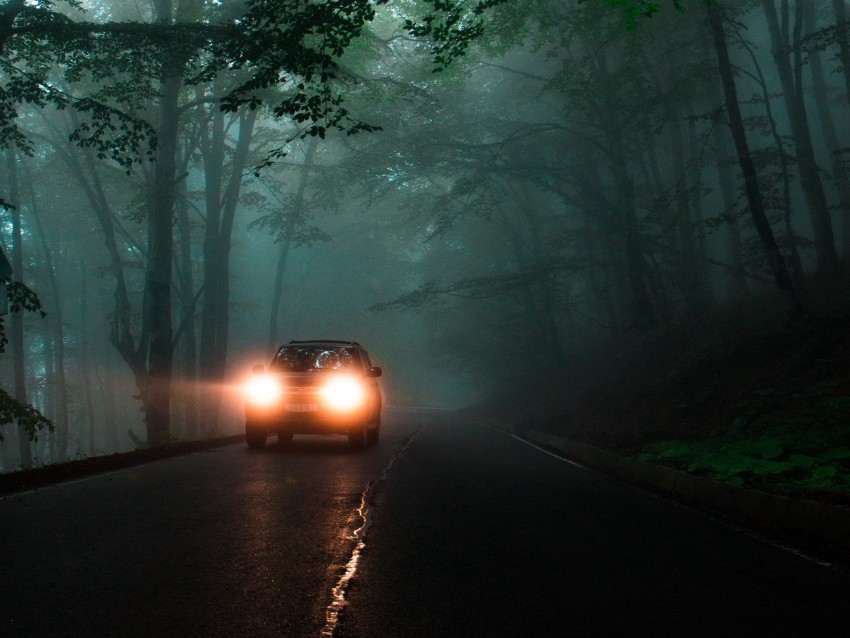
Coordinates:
<point>263,390</point>
<point>344,393</point>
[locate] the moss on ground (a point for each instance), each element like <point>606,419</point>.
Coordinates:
<point>743,396</point>
<point>793,445</point>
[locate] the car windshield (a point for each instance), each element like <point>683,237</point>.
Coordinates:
<point>313,359</point>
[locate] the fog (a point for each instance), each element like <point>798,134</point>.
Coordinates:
<point>491,232</point>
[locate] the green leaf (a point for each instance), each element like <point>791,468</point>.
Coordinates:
<point>826,471</point>
<point>836,454</point>
<point>25,415</point>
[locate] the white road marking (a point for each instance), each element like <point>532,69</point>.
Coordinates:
<point>796,551</point>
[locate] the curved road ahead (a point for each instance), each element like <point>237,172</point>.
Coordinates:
<point>447,528</point>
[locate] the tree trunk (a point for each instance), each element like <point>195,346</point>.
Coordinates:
<point>754,197</point>
<point>277,293</point>
<point>156,391</point>
<point>213,155</point>
<point>641,310</point>
<point>736,283</point>
<point>689,280</point>
<point>48,403</point>
<point>796,265</point>
<point>283,256</point>
<point>106,392</point>
<point>704,288</point>
<point>693,285</point>
<point>830,132</point>
<point>85,374</point>
<point>843,41</point>
<point>16,321</point>
<point>60,412</point>
<point>221,212</point>
<point>188,389</point>
<point>640,307</point>
<point>535,294</point>
<point>659,293</point>
<point>602,283</point>
<point>120,330</point>
<point>828,263</point>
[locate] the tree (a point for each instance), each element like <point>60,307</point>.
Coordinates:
<point>294,46</point>
<point>714,12</point>
<point>289,219</point>
<point>829,264</point>
<point>830,131</point>
<point>841,33</point>
<point>19,298</point>
<point>777,263</point>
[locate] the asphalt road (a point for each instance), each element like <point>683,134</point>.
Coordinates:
<point>447,528</point>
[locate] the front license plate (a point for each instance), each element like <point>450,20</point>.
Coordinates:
<point>301,407</point>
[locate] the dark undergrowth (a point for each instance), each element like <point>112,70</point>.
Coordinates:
<point>744,395</point>
<point>794,445</point>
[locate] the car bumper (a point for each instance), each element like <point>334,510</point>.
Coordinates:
<point>312,422</point>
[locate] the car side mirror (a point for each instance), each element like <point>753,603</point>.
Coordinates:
<point>374,372</point>
<point>259,369</point>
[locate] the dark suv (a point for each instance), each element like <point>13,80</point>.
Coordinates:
<point>315,387</point>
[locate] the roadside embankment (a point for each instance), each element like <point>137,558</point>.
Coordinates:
<point>810,520</point>
<point>37,477</point>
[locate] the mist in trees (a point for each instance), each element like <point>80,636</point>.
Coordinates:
<point>575,176</point>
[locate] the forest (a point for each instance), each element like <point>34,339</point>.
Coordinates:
<point>482,193</point>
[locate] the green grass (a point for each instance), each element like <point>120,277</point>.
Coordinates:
<point>782,444</point>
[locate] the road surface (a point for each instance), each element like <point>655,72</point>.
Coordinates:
<point>447,528</point>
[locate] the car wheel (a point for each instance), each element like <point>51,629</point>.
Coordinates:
<point>357,438</point>
<point>284,437</point>
<point>374,435</point>
<point>255,438</point>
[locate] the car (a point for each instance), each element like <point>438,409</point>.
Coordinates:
<point>315,387</point>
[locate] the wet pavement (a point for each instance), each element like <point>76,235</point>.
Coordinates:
<point>447,528</point>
